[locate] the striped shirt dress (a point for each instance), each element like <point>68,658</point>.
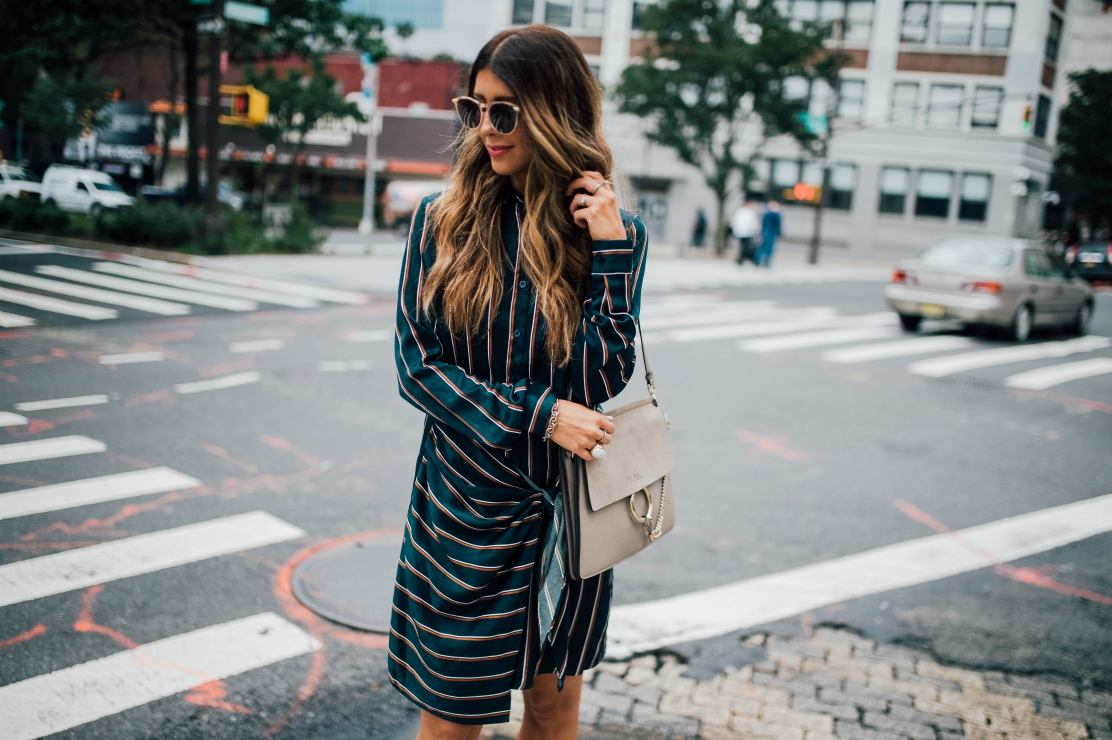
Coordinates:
<point>464,629</point>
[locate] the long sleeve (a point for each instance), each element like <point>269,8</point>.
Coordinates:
<point>606,353</point>
<point>493,414</point>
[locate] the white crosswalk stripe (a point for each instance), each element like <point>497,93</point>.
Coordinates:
<point>56,305</point>
<point>205,286</point>
<point>149,289</point>
<point>331,295</point>
<point>48,449</point>
<point>942,366</point>
<point>60,572</point>
<point>130,358</point>
<point>14,321</point>
<point>93,491</point>
<point>1048,377</point>
<point>214,384</point>
<point>62,403</point>
<point>139,303</point>
<point>257,345</point>
<point>372,335</point>
<point>74,696</point>
<point>732,315</point>
<point>8,419</point>
<point>898,348</point>
<point>817,339</point>
<point>821,320</point>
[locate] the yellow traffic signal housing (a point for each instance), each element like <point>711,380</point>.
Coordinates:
<point>249,106</point>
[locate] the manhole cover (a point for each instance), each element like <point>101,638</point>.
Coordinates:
<point>352,583</point>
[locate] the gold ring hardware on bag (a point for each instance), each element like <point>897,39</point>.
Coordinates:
<point>633,509</point>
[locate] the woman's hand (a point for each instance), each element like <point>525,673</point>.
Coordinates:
<point>597,209</point>
<point>579,429</point>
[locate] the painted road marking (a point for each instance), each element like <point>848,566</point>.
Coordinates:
<point>62,403</point>
<point>48,449</point>
<point>899,348</point>
<point>158,291</point>
<point>717,611</point>
<point>8,419</point>
<point>74,696</point>
<point>149,305</point>
<point>14,321</point>
<point>343,366</point>
<point>60,572</point>
<point>373,335</point>
<point>708,317</point>
<point>942,366</point>
<point>215,384</point>
<point>257,345</point>
<point>763,328</point>
<point>93,491</point>
<point>190,283</point>
<point>1048,377</point>
<point>817,339</point>
<point>56,305</point>
<point>129,358</point>
<point>332,295</point>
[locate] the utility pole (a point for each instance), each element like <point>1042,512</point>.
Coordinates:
<point>824,145</point>
<point>212,116</point>
<point>368,107</point>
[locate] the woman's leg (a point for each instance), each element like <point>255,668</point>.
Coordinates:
<point>551,714</point>
<point>434,728</point>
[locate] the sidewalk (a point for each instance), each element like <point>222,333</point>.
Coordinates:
<point>832,684</point>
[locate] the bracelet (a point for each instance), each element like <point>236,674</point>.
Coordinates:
<point>551,422</point>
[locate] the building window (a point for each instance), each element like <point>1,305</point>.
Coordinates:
<point>851,100</point>
<point>523,11</point>
<point>975,189</point>
<point>856,15</point>
<point>933,196</point>
<point>639,12</point>
<point>955,24</point>
<point>986,106</point>
<point>819,104</point>
<point>557,12</point>
<point>843,180</point>
<point>594,12</point>
<point>997,31</point>
<point>1042,116</point>
<point>893,189</point>
<point>859,21</point>
<point>785,175</point>
<point>905,97</point>
<point>804,11</point>
<point>916,22</point>
<point>1054,38</point>
<point>944,108</point>
<point>796,88</point>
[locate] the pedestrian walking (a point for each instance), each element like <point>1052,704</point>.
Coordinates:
<point>771,227</point>
<point>520,288</point>
<point>744,226</point>
<point>699,229</point>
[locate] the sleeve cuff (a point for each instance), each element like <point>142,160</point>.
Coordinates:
<point>612,257</point>
<point>539,400</point>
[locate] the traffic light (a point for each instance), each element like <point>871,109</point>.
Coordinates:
<point>1027,119</point>
<point>249,106</point>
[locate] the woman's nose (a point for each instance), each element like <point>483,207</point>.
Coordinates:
<point>485,127</point>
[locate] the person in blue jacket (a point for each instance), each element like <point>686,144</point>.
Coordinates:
<point>771,227</point>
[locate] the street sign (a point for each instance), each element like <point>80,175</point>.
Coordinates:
<point>210,26</point>
<point>200,2</point>
<point>256,14</point>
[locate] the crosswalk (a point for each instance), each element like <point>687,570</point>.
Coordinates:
<point>91,288</point>
<point>767,328</point>
<point>140,673</point>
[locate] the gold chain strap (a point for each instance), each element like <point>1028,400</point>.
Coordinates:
<point>656,531</point>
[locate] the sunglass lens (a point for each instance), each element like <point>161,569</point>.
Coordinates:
<point>502,117</point>
<point>469,113</point>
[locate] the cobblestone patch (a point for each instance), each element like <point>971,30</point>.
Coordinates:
<point>830,685</point>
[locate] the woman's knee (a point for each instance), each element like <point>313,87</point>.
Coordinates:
<point>434,728</point>
<point>547,705</point>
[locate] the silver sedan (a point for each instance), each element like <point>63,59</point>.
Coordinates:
<point>1008,283</point>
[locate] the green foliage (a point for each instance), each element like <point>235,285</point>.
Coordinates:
<point>298,236</point>
<point>1083,167</point>
<point>714,68</point>
<point>404,30</point>
<point>160,225</point>
<point>65,104</point>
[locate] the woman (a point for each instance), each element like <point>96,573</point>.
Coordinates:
<point>518,294</point>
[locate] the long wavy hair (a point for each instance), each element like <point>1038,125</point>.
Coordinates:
<point>561,109</point>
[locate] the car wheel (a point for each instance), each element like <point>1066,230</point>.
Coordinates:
<point>1020,329</point>
<point>96,211</point>
<point>51,203</point>
<point>1081,322</point>
<point>910,323</point>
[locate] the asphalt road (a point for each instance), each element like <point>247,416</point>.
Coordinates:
<point>782,459</point>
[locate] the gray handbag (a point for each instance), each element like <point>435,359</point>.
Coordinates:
<point>617,505</point>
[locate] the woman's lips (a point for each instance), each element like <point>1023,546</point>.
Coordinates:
<point>498,151</point>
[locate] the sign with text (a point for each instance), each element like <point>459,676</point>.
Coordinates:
<point>246,13</point>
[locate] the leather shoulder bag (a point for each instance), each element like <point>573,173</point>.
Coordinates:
<point>617,505</point>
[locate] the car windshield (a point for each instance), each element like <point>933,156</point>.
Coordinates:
<point>22,176</point>
<point>110,185</point>
<point>960,253</point>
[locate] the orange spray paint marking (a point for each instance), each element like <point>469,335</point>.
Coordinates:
<point>1084,403</point>
<point>1030,576</point>
<point>35,426</point>
<point>223,368</point>
<point>9,378</point>
<point>165,395</point>
<point>184,335</point>
<point>29,482</point>
<point>86,623</point>
<point>37,546</point>
<point>212,694</point>
<point>19,334</point>
<point>281,444</point>
<point>223,455</point>
<point>125,512</point>
<point>769,446</point>
<point>36,360</point>
<point>30,634</point>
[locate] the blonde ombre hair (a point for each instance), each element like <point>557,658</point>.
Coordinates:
<point>561,110</point>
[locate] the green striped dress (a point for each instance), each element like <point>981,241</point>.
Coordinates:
<point>464,630</point>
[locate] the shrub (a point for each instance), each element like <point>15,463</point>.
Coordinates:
<point>298,236</point>
<point>161,225</point>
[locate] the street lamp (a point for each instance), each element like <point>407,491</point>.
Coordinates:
<point>368,105</point>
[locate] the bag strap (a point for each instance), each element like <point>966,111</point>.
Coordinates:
<point>640,334</point>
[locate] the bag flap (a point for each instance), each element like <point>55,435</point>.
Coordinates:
<point>638,455</point>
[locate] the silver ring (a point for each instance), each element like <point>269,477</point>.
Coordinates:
<point>583,200</point>
<point>597,187</point>
<point>598,451</point>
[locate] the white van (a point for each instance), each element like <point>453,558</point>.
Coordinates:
<point>78,189</point>
<point>16,182</point>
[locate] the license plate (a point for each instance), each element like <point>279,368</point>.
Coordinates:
<point>932,310</point>
<point>1092,257</point>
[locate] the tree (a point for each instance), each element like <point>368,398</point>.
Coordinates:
<point>63,106</point>
<point>1083,167</point>
<point>714,72</point>
<point>297,103</point>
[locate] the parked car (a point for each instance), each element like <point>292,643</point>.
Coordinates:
<point>225,193</point>
<point>82,190</point>
<point>1091,260</point>
<point>16,182</point>
<point>1008,283</point>
<point>401,199</point>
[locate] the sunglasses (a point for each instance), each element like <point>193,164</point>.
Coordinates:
<point>503,115</point>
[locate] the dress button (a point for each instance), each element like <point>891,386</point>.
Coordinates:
<point>521,284</point>
<point>517,332</point>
